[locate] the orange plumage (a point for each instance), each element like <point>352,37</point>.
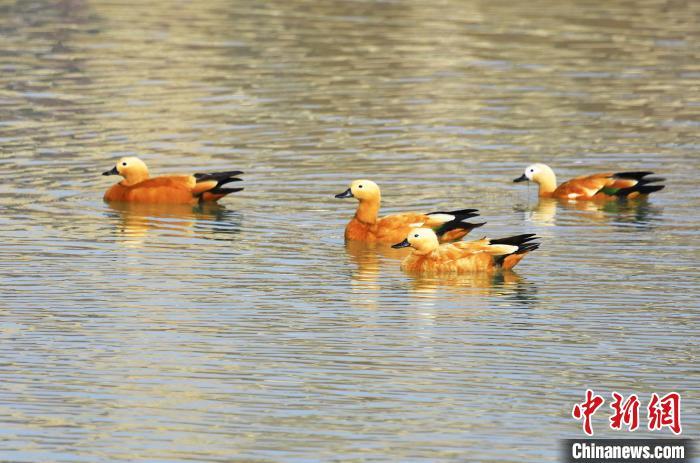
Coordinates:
<point>601,186</point>
<point>368,227</point>
<point>167,189</point>
<point>484,255</point>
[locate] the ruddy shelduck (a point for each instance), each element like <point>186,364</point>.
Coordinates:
<point>138,187</point>
<point>366,226</point>
<point>603,186</point>
<point>484,255</point>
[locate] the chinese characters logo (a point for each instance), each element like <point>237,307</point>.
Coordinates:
<point>662,412</point>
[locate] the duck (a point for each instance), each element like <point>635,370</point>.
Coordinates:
<point>368,227</point>
<point>139,187</point>
<point>429,256</point>
<point>603,186</point>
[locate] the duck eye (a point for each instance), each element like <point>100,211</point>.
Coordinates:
<point>532,170</point>
<point>123,163</point>
<point>415,236</point>
<point>359,186</point>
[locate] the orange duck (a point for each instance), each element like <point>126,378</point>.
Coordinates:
<point>603,186</point>
<point>138,187</point>
<point>366,226</point>
<point>484,255</point>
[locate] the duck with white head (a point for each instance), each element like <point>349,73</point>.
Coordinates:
<point>601,186</point>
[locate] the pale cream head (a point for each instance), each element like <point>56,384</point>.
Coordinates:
<point>131,168</point>
<point>538,172</point>
<point>365,190</point>
<point>131,164</point>
<point>423,240</point>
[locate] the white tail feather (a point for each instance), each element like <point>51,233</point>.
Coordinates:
<point>443,218</point>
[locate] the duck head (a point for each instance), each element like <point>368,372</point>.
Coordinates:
<point>131,168</point>
<point>423,240</point>
<point>362,190</point>
<point>541,174</point>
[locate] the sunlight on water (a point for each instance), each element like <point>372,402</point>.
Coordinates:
<point>248,331</point>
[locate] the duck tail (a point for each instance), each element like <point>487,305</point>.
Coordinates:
<point>632,175</point>
<point>221,178</point>
<point>516,240</point>
<point>456,229</point>
<point>642,187</point>
<point>524,244</point>
<point>462,214</point>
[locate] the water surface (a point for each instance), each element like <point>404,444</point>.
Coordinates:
<point>248,331</point>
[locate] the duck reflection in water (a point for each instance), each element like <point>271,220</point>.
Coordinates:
<point>373,262</point>
<point>370,258</point>
<point>467,283</point>
<point>136,220</point>
<point>638,211</point>
<point>457,295</point>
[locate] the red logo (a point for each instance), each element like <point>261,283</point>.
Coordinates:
<point>662,412</point>
<point>665,412</point>
<point>587,409</point>
<point>626,413</point>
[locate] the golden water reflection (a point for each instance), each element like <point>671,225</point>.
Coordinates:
<point>638,211</point>
<point>288,345</point>
<point>134,220</point>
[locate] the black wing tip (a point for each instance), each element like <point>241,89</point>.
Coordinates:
<point>457,225</point>
<point>464,211</point>
<point>528,247</point>
<point>461,217</point>
<point>224,191</point>
<point>471,225</point>
<point>652,180</point>
<point>228,180</point>
<point>217,175</point>
<point>221,178</point>
<point>457,212</point>
<point>522,248</point>
<point>642,189</point>
<point>646,189</point>
<point>515,240</point>
<point>637,175</point>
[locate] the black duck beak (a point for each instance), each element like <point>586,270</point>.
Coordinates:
<point>522,178</point>
<point>403,244</point>
<point>114,171</point>
<point>345,194</point>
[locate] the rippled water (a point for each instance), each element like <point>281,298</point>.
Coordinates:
<point>248,331</point>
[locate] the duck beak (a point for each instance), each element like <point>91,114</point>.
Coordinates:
<point>522,178</point>
<point>114,171</point>
<point>403,244</point>
<point>345,194</point>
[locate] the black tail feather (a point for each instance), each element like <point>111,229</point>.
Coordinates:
<point>222,178</point>
<point>517,240</point>
<point>527,248</point>
<point>458,222</point>
<point>646,180</point>
<point>632,175</point>
<point>217,175</point>
<point>460,214</point>
<point>641,177</point>
<point>456,225</point>
<point>641,189</point>
<point>228,180</point>
<point>523,242</point>
<point>224,191</point>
